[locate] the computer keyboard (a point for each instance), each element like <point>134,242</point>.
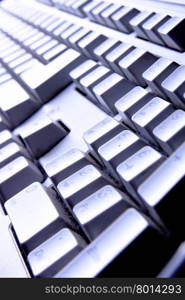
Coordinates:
<point>92,138</point>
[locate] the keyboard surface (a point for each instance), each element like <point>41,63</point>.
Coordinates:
<point>92,138</point>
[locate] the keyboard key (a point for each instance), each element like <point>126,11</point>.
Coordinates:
<point>96,12</point>
<point>77,7</point>
<point>18,105</point>
<point>14,56</point>
<point>73,188</point>
<point>77,37</point>
<point>33,39</point>
<point>114,56</point>
<point>137,22</point>
<point>36,45</point>
<point>35,135</point>
<point>102,50</point>
<point>64,26</point>
<point>157,73</point>
<point>65,165</point>
<point>89,81</point>
<point>97,211</point>
<point>54,25</point>
<point>109,90</point>
<point>171,33</point>
<point>51,256</point>
<point>108,13</point>
<point>90,42</point>
<point>18,174</point>
<point>82,70</point>
<point>34,203</point>
<point>174,86</point>
<point>89,8</point>
<point>130,103</point>
<point>47,47</point>
<point>6,137</point>
<point>122,18</point>
<point>135,63</point>
<point>112,143</point>
<point>45,82</point>
<point>19,61</point>
<point>160,192</point>
<point>10,152</point>
<point>150,115</point>
<point>54,52</point>
<point>135,169</point>
<point>170,132</point>
<point>69,32</point>
<point>108,247</point>
<point>176,265</point>
<point>20,69</point>
<point>5,78</point>
<point>118,149</point>
<point>94,134</point>
<point>151,26</point>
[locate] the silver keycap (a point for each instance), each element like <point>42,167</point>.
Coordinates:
<point>61,248</point>
<point>95,134</point>
<point>151,114</point>
<point>122,18</point>
<point>170,132</point>
<point>173,86</point>
<point>33,203</point>
<point>84,177</point>
<point>152,24</point>
<point>10,152</point>
<point>90,42</point>
<point>114,56</point>
<point>171,31</point>
<point>157,73</point>
<point>135,63</point>
<point>78,73</point>
<point>137,22</point>
<point>138,167</point>
<point>102,50</point>
<point>19,173</point>
<point>56,168</point>
<point>109,90</point>
<point>90,80</point>
<point>130,103</point>
<point>117,149</point>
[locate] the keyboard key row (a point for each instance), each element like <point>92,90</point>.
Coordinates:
<point>158,28</point>
<point>121,58</point>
